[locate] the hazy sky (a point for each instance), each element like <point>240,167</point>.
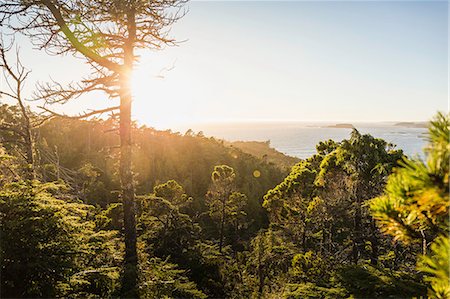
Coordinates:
<point>304,61</point>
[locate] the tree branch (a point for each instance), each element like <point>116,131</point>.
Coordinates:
<point>81,116</point>
<point>7,94</point>
<point>76,43</point>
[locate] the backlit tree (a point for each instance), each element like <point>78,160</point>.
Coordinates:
<point>107,34</point>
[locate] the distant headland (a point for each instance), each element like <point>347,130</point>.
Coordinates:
<point>341,126</point>
<point>422,124</point>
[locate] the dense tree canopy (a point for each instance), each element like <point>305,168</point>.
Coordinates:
<point>207,227</point>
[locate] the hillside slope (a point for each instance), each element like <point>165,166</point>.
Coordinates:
<point>262,150</point>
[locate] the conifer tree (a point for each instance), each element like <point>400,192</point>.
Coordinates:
<point>107,34</point>
<point>223,201</point>
<point>415,206</point>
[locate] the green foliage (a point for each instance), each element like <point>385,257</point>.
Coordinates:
<point>437,265</point>
<point>8,167</point>
<point>172,236</point>
<point>413,203</point>
<point>299,183</point>
<point>91,188</point>
<point>309,266</point>
<point>50,247</point>
<point>111,218</point>
<point>203,232</point>
<point>365,280</point>
<point>415,206</point>
<point>321,210</point>
<point>321,203</point>
<point>268,262</point>
<point>311,291</point>
<point>438,149</point>
<point>223,175</point>
<point>367,160</point>
<point>12,133</point>
<point>159,156</point>
<point>161,279</point>
<point>416,197</point>
<point>224,202</point>
<point>262,149</point>
<point>173,192</point>
<point>166,229</point>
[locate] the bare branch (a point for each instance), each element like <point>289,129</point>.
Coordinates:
<point>76,43</point>
<point>81,116</point>
<point>111,130</point>
<point>4,93</point>
<point>55,92</point>
<point>41,120</point>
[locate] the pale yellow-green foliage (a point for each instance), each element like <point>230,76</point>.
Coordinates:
<point>416,204</point>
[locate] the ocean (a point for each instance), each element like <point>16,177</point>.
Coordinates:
<point>299,139</point>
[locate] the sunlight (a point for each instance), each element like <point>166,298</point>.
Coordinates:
<point>244,162</point>
<point>161,94</point>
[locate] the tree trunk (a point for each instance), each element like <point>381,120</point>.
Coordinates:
<point>29,152</point>
<point>130,274</point>
<point>222,225</point>
<point>261,280</point>
<point>356,233</point>
<point>260,267</point>
<point>28,138</point>
<point>330,237</point>
<point>375,244</point>
<point>58,168</point>
<point>304,240</point>
<point>424,242</point>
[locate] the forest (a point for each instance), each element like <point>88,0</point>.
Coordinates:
<point>356,220</point>
<point>94,205</point>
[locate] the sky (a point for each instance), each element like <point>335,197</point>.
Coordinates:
<point>283,61</point>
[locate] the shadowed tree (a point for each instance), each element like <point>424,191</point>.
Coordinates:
<point>223,201</point>
<point>107,34</point>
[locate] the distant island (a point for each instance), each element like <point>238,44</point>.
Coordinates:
<point>412,124</point>
<point>341,126</point>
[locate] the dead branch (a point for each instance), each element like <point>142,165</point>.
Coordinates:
<point>80,116</point>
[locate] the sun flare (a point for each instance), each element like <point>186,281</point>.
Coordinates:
<point>161,94</point>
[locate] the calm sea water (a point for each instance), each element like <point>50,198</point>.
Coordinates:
<point>300,139</point>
